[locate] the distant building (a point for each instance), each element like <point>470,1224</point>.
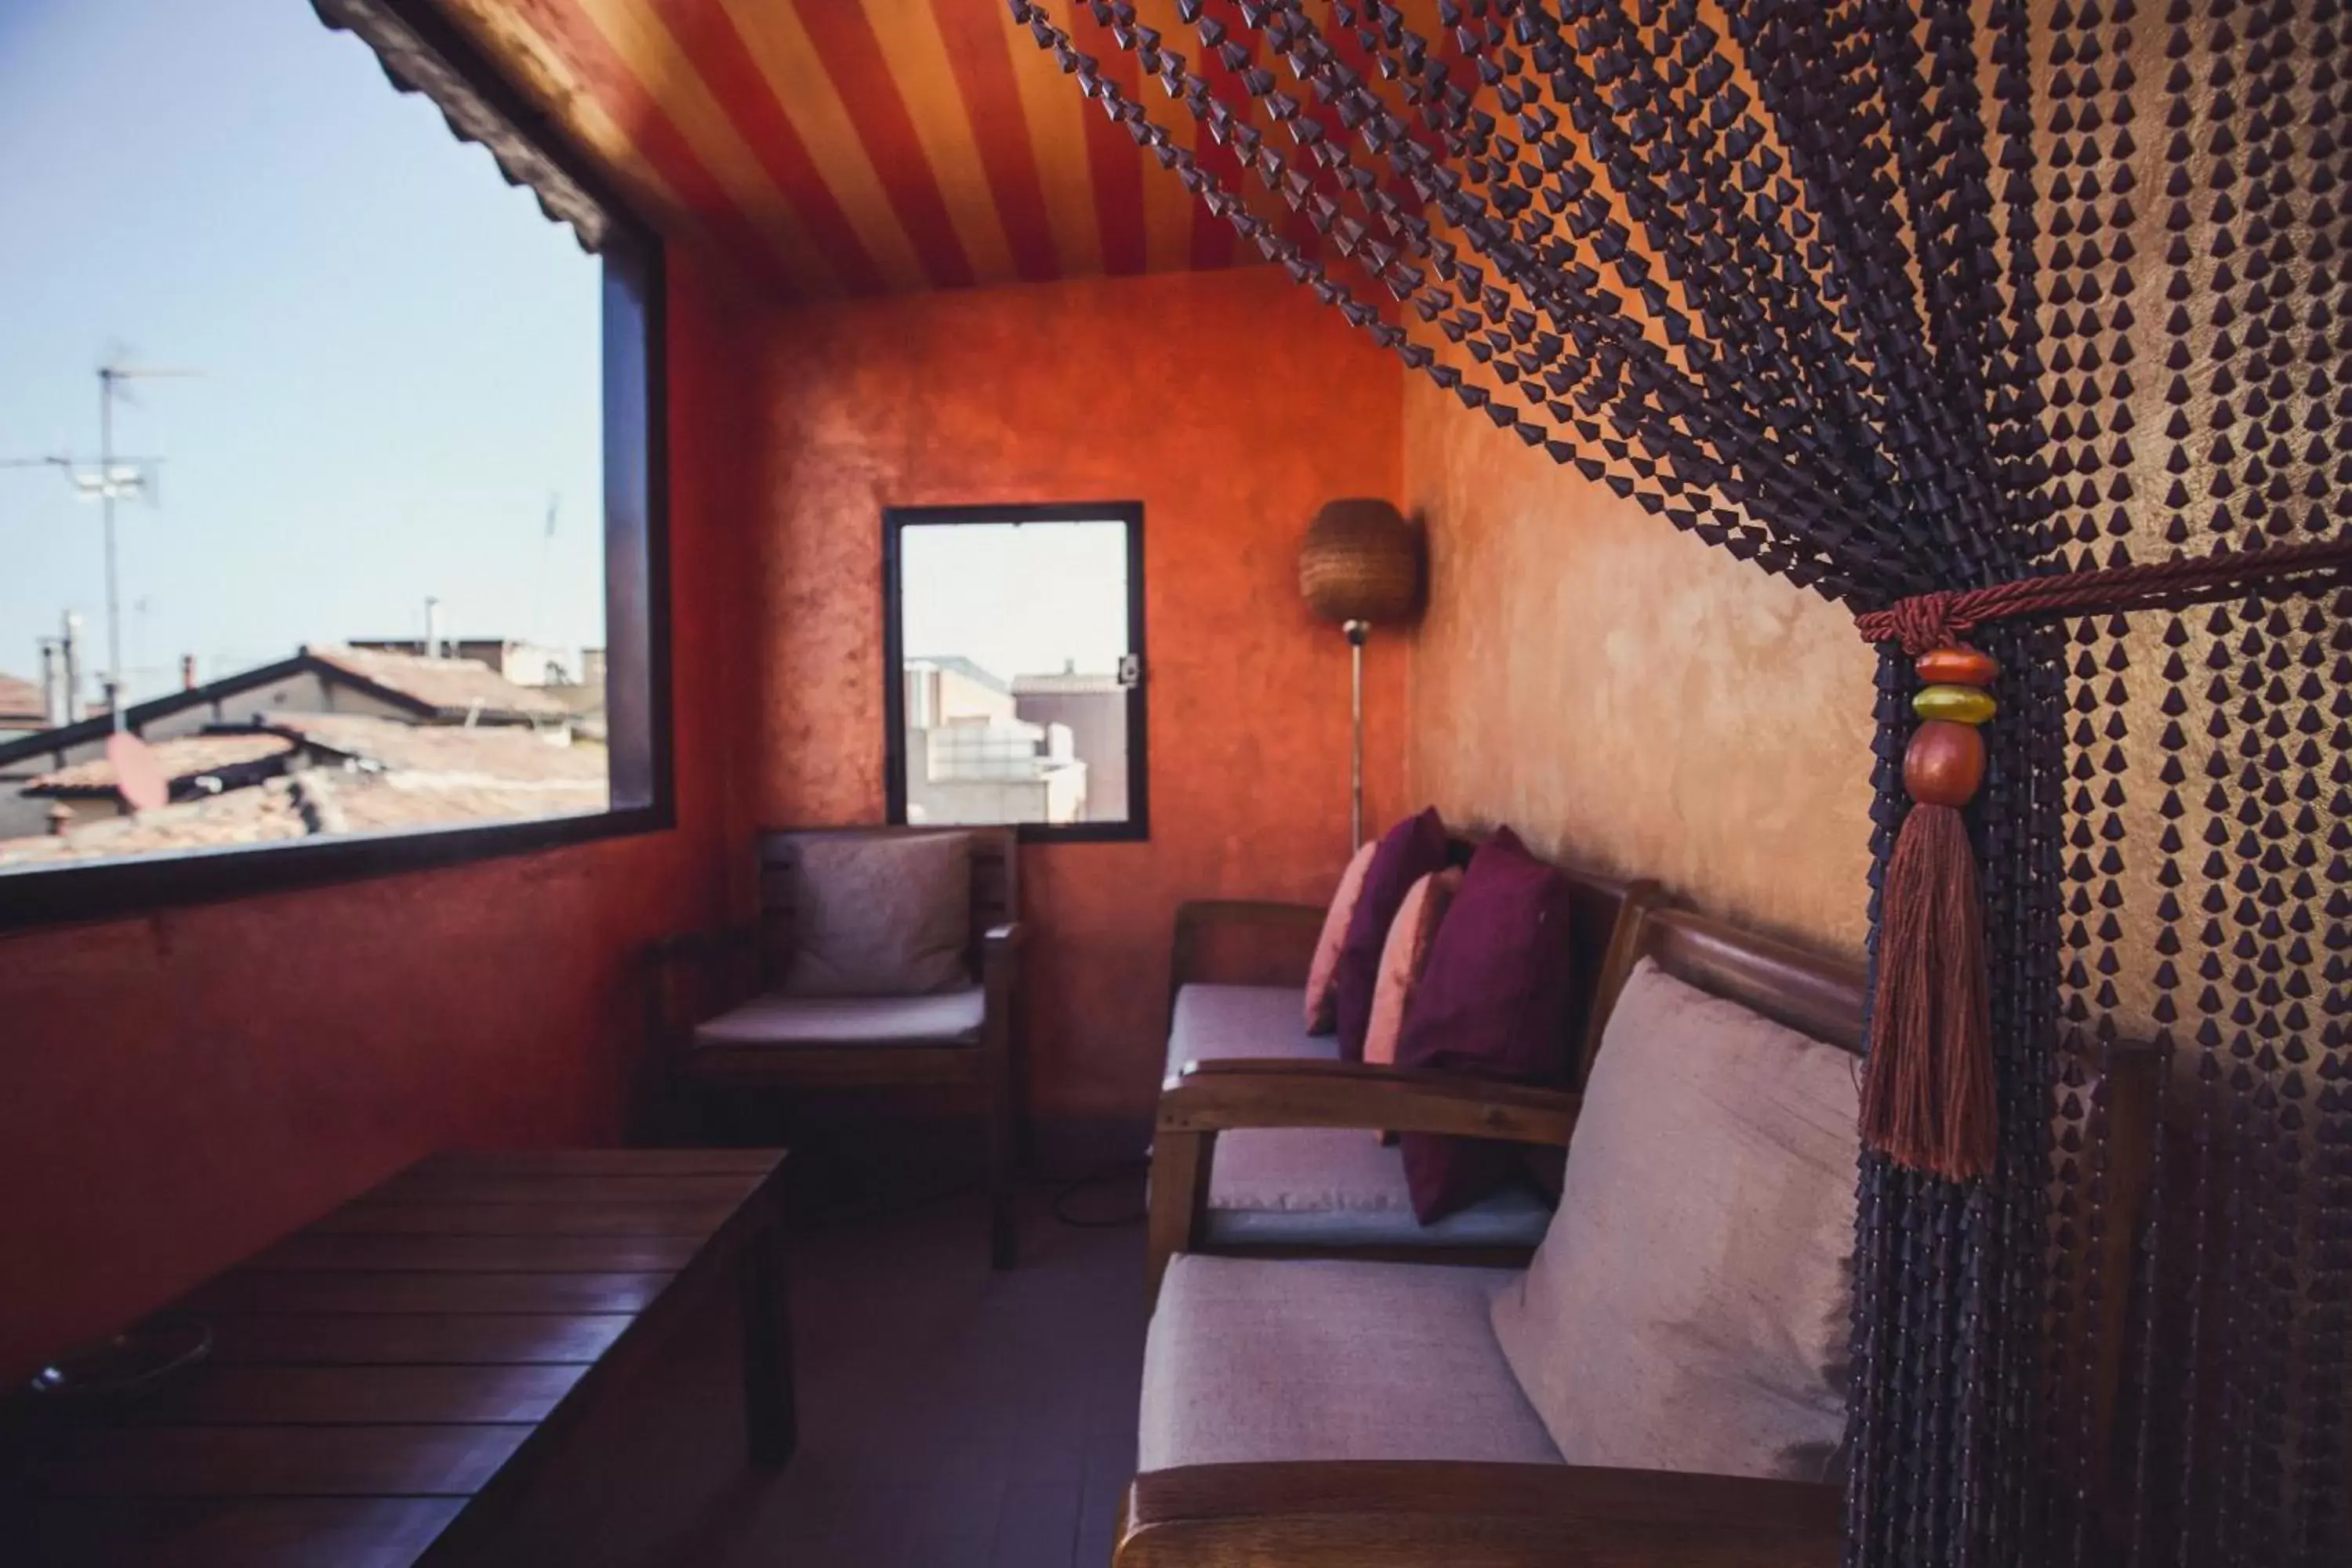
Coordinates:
<point>23,707</point>
<point>370,683</point>
<point>971,758</point>
<point>1093,709</point>
<point>524,663</point>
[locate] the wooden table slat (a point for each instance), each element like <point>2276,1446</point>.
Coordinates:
<point>325,1252</point>
<point>362,1396</point>
<point>449,1339</point>
<point>376,1218</point>
<point>408,1291</point>
<point>268,1532</point>
<point>283,1461</point>
<point>541,1162</point>
<point>424,1187</point>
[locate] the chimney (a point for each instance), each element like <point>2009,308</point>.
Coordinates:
<point>72,656</point>
<point>432,627</point>
<point>61,817</point>
<point>188,672</point>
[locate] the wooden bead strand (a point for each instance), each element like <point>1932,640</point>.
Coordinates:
<point>1945,764</point>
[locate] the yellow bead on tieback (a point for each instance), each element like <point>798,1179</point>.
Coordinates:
<point>1957,704</point>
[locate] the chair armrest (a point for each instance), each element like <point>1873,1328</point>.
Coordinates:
<point>1201,919</point>
<point>1389,1515</point>
<point>1215,1096</point>
<point>1000,961</point>
<point>694,975</point>
<point>701,944</point>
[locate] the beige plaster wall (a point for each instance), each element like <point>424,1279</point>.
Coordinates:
<point>1626,697</point>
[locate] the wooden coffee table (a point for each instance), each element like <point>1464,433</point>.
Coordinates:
<point>388,1385</point>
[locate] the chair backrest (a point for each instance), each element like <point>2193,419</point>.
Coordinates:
<point>995,883</point>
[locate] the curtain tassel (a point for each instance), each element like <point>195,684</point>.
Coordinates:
<point>1927,1095</point>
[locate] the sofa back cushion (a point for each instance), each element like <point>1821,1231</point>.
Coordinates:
<point>1689,1307</point>
<point>1405,854</point>
<point>881,915</point>
<point>1323,972</point>
<point>1405,959</point>
<point>1493,1001</point>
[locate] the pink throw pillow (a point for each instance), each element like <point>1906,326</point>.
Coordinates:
<point>1403,958</point>
<point>1323,973</point>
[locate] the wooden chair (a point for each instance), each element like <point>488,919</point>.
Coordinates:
<point>1274,943</point>
<point>1362,1515</point>
<point>960,1040</point>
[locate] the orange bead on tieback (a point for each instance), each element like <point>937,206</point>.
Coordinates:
<point>1945,764</point>
<point>1957,666</point>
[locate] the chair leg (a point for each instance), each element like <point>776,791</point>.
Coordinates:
<point>1003,1243</point>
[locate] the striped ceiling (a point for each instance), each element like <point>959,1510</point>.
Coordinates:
<point>835,147</point>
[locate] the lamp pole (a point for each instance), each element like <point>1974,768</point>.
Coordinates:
<point>1357,631</point>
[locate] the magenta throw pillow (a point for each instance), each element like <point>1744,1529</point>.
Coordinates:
<point>1493,1002</point>
<point>1410,850</point>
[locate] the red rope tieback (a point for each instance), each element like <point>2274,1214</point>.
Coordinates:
<point>1929,621</point>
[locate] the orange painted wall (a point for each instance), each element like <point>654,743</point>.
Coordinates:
<point>1626,696</point>
<point>1231,406</point>
<point>176,1091</point>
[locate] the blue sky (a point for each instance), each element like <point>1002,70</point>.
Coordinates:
<point>400,353</point>
<point>1021,599</point>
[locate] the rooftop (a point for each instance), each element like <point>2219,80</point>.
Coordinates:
<point>186,757</point>
<point>956,663</point>
<point>455,687</point>
<point>510,754</point>
<point>296,805</point>
<point>22,707</point>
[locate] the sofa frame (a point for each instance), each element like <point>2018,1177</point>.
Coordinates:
<point>1204,1099</point>
<point>1357,1514</point>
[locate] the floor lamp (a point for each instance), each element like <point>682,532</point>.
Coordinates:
<point>1359,568</point>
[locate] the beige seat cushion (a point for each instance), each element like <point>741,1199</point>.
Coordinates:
<point>1688,1309</point>
<point>1314,1187</point>
<point>1252,1360</point>
<point>776,1019</point>
<point>1214,1023</point>
<point>879,914</point>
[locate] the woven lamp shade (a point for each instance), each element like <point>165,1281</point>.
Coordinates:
<point>1360,562</point>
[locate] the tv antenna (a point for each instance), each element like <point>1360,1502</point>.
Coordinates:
<point>111,481</point>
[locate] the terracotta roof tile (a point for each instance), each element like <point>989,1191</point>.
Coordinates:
<point>260,815</point>
<point>185,757</point>
<point>287,808</point>
<point>497,753</point>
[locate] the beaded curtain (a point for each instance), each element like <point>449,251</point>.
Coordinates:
<point>1891,297</point>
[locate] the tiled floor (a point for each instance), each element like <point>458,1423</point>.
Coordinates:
<point>952,1417</point>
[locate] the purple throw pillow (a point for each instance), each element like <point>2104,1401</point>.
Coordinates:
<point>1494,1002</point>
<point>1410,850</point>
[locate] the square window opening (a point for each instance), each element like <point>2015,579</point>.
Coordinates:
<point>1014,668</point>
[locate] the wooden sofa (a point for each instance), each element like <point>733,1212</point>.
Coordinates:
<point>1501,1495</point>
<point>1262,1180</point>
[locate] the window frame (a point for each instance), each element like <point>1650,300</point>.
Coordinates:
<point>1136,828</point>
<point>635,425</point>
